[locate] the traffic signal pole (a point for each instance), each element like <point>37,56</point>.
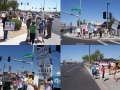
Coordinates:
<point>32,62</point>
<point>107,15</point>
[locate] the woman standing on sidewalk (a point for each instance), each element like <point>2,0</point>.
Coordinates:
<point>103,72</point>
<point>114,72</point>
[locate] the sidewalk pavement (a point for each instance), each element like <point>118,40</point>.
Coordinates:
<point>21,40</point>
<point>109,83</point>
<point>72,35</point>
<point>41,87</point>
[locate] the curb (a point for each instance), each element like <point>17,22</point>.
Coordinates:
<point>90,39</point>
<point>101,85</point>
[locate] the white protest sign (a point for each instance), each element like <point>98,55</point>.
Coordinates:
<point>115,25</point>
<point>9,26</point>
<point>42,56</point>
<point>45,70</point>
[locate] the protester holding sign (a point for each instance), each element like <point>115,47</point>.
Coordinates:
<point>6,19</point>
<point>48,83</point>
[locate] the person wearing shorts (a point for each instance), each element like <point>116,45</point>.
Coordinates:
<point>41,31</point>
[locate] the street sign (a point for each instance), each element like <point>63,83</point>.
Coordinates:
<point>45,70</point>
<point>27,55</point>
<point>56,82</point>
<point>42,55</point>
<point>75,9</point>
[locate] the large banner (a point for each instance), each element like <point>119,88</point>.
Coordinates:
<point>9,26</point>
<point>115,25</point>
<point>56,81</point>
<point>45,70</point>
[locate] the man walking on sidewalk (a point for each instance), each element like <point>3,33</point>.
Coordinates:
<point>109,66</point>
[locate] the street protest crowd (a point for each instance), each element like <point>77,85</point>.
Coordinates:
<point>23,82</point>
<point>90,30</point>
<point>36,26</point>
<point>102,70</point>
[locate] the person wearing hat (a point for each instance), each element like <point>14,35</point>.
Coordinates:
<point>32,32</point>
<point>30,82</point>
<point>28,28</point>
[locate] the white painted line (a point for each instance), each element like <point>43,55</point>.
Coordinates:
<point>72,68</point>
<point>102,42</point>
<point>114,42</point>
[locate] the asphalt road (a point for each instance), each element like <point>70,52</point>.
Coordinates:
<point>73,41</point>
<point>76,77</point>
<point>56,26</point>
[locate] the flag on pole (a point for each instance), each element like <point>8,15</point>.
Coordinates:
<point>9,68</point>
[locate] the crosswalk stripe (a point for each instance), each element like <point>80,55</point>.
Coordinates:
<point>114,42</point>
<point>102,42</point>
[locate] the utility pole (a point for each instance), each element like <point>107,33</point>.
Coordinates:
<point>32,62</point>
<point>107,15</point>
<point>89,54</point>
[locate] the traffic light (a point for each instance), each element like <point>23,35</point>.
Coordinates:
<point>27,3</point>
<point>104,15</point>
<point>43,8</point>
<point>49,50</point>
<point>110,16</point>
<point>32,7</point>
<point>49,7</point>
<point>9,59</point>
<point>0,58</point>
<point>58,48</point>
<point>35,8</point>
<point>21,3</point>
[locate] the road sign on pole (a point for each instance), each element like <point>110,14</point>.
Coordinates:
<point>27,55</point>
<point>75,9</point>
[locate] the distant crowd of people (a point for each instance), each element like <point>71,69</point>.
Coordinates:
<point>84,32</point>
<point>101,70</point>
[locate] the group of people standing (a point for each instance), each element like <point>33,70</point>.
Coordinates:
<point>21,82</point>
<point>101,71</point>
<point>38,27</point>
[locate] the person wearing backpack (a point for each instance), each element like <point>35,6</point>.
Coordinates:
<point>94,71</point>
<point>109,66</point>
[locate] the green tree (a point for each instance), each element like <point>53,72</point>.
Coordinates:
<point>93,56</point>
<point>13,4</point>
<point>85,58</point>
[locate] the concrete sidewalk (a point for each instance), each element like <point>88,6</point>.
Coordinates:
<point>20,40</point>
<point>72,35</point>
<point>109,83</point>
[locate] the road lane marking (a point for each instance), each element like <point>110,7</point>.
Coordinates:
<point>102,42</point>
<point>72,68</point>
<point>114,42</point>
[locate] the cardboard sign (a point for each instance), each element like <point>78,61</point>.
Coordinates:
<point>9,26</point>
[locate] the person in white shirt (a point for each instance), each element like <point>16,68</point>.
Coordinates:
<point>3,16</point>
<point>78,31</point>
<point>20,85</point>
<point>47,84</point>
<point>25,82</point>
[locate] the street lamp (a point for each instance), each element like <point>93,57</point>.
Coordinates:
<point>56,5</point>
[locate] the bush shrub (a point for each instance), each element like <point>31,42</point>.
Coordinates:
<point>10,16</point>
<point>18,24</point>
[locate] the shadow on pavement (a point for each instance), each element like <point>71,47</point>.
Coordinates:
<point>37,41</point>
<point>1,40</point>
<point>24,43</point>
<point>106,79</point>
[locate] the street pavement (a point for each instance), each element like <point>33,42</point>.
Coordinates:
<point>71,39</point>
<point>109,83</point>
<point>20,40</point>
<point>77,77</point>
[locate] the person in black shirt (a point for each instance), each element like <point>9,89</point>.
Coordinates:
<point>7,81</point>
<point>5,31</point>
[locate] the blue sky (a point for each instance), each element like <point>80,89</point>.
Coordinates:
<point>37,4</point>
<point>75,52</point>
<point>16,52</point>
<point>92,10</point>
